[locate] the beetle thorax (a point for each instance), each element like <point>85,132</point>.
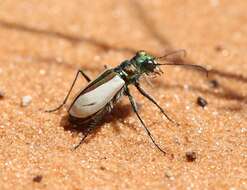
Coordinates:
<point>129,72</point>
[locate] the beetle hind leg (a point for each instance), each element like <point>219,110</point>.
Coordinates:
<point>71,88</point>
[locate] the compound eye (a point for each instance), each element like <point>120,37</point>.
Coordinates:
<point>149,65</point>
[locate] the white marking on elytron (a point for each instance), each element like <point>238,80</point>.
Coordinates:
<point>91,102</point>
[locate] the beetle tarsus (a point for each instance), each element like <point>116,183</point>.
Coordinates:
<point>55,109</point>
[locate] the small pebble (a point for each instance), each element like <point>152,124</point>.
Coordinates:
<point>214,83</point>
<point>214,3</point>
<point>169,175</point>
<point>42,72</point>
<point>218,48</point>
<point>190,156</point>
<point>201,102</point>
<point>102,168</point>
<point>37,178</point>
<point>26,100</point>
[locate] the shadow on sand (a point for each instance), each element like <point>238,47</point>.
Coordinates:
<point>119,113</point>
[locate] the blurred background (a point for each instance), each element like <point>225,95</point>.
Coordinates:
<point>43,44</point>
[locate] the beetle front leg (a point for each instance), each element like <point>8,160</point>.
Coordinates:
<point>133,105</point>
<point>145,94</point>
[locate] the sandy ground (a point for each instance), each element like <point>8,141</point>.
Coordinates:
<point>43,43</point>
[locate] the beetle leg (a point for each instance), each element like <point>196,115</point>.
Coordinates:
<point>67,96</point>
<point>91,126</point>
<point>84,75</point>
<point>81,141</point>
<point>133,105</point>
<point>145,94</point>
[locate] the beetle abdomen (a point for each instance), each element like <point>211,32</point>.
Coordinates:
<point>89,103</point>
<point>96,117</point>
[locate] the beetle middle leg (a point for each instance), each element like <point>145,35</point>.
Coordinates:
<point>67,96</point>
<point>133,105</point>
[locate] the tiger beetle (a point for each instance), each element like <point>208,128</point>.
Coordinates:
<point>100,95</point>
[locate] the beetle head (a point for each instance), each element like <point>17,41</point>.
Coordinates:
<point>146,63</point>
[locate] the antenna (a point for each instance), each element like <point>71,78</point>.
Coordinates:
<point>183,51</point>
<point>198,67</point>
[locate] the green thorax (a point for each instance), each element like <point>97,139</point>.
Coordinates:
<point>131,70</point>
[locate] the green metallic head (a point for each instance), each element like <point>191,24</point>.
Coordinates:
<point>145,62</point>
